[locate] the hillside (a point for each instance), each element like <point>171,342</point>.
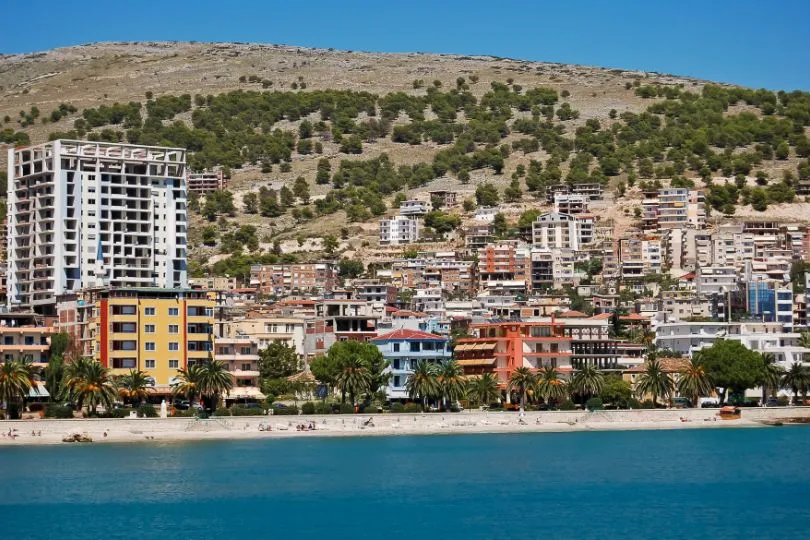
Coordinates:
<point>443,121</point>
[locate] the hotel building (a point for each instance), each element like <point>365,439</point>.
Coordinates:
<point>84,214</point>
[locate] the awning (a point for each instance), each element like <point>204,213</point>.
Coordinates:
<point>484,346</point>
<point>245,392</point>
<point>480,362</point>
<point>38,390</point>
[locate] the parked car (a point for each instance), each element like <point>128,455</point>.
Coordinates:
<point>681,403</point>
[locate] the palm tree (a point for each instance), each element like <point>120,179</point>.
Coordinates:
<point>772,375</point>
<point>354,377</point>
<point>15,382</point>
<point>134,386</point>
<point>587,381</point>
<point>187,383</point>
<point>88,383</point>
<point>215,380</point>
<point>523,379</point>
<point>804,339</point>
<point>451,380</point>
<point>551,386</point>
<point>484,389</point>
<point>423,383</point>
<point>797,378</point>
<point>654,380</point>
<point>694,381</point>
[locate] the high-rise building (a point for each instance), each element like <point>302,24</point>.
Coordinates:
<point>90,214</point>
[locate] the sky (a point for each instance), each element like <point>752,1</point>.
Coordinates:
<point>753,43</point>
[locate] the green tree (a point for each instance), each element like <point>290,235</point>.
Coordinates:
<point>522,380</point>
<point>15,382</point>
<point>330,244</point>
<point>423,383</point>
<point>60,344</point>
<point>487,195</point>
<point>325,368</point>
<point>513,193</point>
<point>499,226</point>
<point>484,389</point>
<point>278,361</point>
<point>134,386</point>
<point>587,381</point>
<point>324,171</point>
<point>301,189</point>
<point>286,196</point>
<point>55,376</point>
<point>654,381</point>
<point>353,378</point>
<point>187,383</point>
<point>617,392</point>
<point>771,376</point>
<point>89,384</point>
<point>451,377</point>
<point>209,235</point>
<point>797,378</point>
<point>551,386</point>
<point>694,382</point>
<point>250,202</point>
<point>732,367</point>
<point>214,381</point>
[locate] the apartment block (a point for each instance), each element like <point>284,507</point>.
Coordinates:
<point>502,347</point>
<point>85,214</point>
<point>570,203</point>
<point>562,231</point>
<point>207,181</point>
<point>397,230</point>
<point>283,279</point>
<point>25,337</point>
<point>241,358</point>
<point>159,331</point>
<point>404,349</point>
<point>681,207</point>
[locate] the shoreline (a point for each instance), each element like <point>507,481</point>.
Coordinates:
<point>163,430</point>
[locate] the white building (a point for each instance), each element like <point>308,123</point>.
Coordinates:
<point>86,214</point>
<point>716,280</point>
<point>570,203</point>
<point>562,231</point>
<point>399,230</point>
<point>413,208</point>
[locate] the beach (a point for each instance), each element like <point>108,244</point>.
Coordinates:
<point>127,430</point>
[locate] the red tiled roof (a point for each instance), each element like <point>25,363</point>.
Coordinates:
<point>602,316</point>
<point>689,276</point>
<point>634,317</point>
<point>407,334</point>
<point>391,309</point>
<point>571,314</point>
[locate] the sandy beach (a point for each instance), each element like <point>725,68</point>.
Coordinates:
<point>47,431</point>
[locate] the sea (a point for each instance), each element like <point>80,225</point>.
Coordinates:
<point>702,483</point>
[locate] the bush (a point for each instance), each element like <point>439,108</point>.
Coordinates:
<point>594,404</point>
<point>147,410</point>
<point>245,411</point>
<point>413,408</point>
<point>290,410</point>
<point>397,407</point>
<point>633,403</point>
<point>567,405</point>
<point>53,410</point>
<point>346,408</point>
<point>308,408</point>
<point>118,413</point>
<point>222,411</point>
<point>648,404</point>
<point>322,408</point>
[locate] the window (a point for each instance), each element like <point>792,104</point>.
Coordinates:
<point>174,346</point>
<point>8,340</point>
<point>123,310</point>
<point>414,346</point>
<point>173,329</point>
<point>174,312</point>
<point>29,340</point>
<point>396,347</point>
<point>244,350</point>
<point>174,364</point>
<point>245,367</point>
<point>149,328</point>
<point>150,364</point>
<point>149,346</point>
<point>397,382</point>
<point>124,363</point>
<point>396,363</point>
<point>149,311</point>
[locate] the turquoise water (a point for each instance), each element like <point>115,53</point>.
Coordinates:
<point>729,483</point>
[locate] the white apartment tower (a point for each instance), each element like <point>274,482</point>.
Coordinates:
<point>84,214</point>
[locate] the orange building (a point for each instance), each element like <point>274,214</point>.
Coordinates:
<point>501,347</point>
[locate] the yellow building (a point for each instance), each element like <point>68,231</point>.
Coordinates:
<point>158,331</point>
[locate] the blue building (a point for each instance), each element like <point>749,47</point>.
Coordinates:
<point>404,349</point>
<point>770,302</point>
